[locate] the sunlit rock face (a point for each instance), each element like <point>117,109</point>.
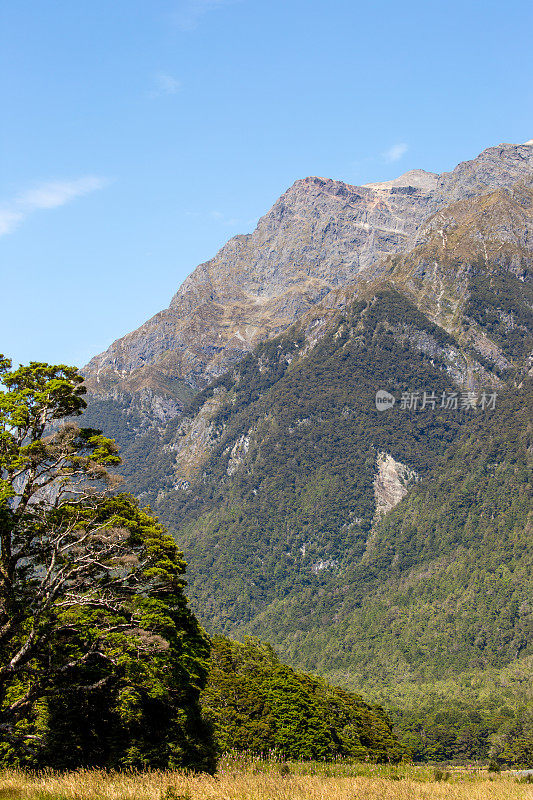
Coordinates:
<point>392,482</point>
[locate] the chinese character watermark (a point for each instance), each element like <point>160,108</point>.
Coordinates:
<point>424,400</point>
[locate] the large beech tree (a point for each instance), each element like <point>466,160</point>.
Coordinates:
<point>101,661</point>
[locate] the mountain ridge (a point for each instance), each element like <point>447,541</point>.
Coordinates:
<point>318,237</point>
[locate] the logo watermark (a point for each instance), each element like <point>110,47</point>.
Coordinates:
<point>422,400</point>
<point>384,400</point>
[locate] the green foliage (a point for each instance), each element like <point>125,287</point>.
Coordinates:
<point>258,704</point>
<point>444,586</point>
<point>101,660</point>
<point>128,672</point>
<point>461,729</point>
<point>519,750</point>
<point>36,396</point>
<point>283,541</point>
<point>456,555</point>
<point>502,304</point>
<point>304,495</point>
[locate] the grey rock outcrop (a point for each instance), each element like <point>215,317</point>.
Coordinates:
<point>495,168</point>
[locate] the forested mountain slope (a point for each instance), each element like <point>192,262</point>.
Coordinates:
<point>434,619</point>
<point>283,496</point>
<point>388,548</point>
<point>445,584</point>
<point>280,528</point>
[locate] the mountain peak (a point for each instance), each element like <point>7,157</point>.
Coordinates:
<point>315,183</point>
<point>318,237</point>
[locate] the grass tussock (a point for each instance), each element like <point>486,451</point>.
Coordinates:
<point>268,781</point>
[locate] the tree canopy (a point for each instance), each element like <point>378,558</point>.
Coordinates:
<point>260,705</point>
<point>101,660</point>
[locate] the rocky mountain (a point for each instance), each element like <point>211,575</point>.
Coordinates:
<point>318,237</point>
<point>385,547</point>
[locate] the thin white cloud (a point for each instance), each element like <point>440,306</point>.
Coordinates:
<point>52,194</point>
<point>56,193</point>
<point>165,84</point>
<point>395,152</point>
<point>9,220</point>
<point>189,13</point>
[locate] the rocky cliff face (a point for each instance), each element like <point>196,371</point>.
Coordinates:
<point>317,237</point>
<point>391,483</point>
<point>471,272</point>
<point>320,236</point>
<point>495,168</point>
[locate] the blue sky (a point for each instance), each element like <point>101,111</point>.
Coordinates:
<point>137,137</point>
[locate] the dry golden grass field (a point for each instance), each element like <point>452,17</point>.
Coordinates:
<point>261,781</point>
